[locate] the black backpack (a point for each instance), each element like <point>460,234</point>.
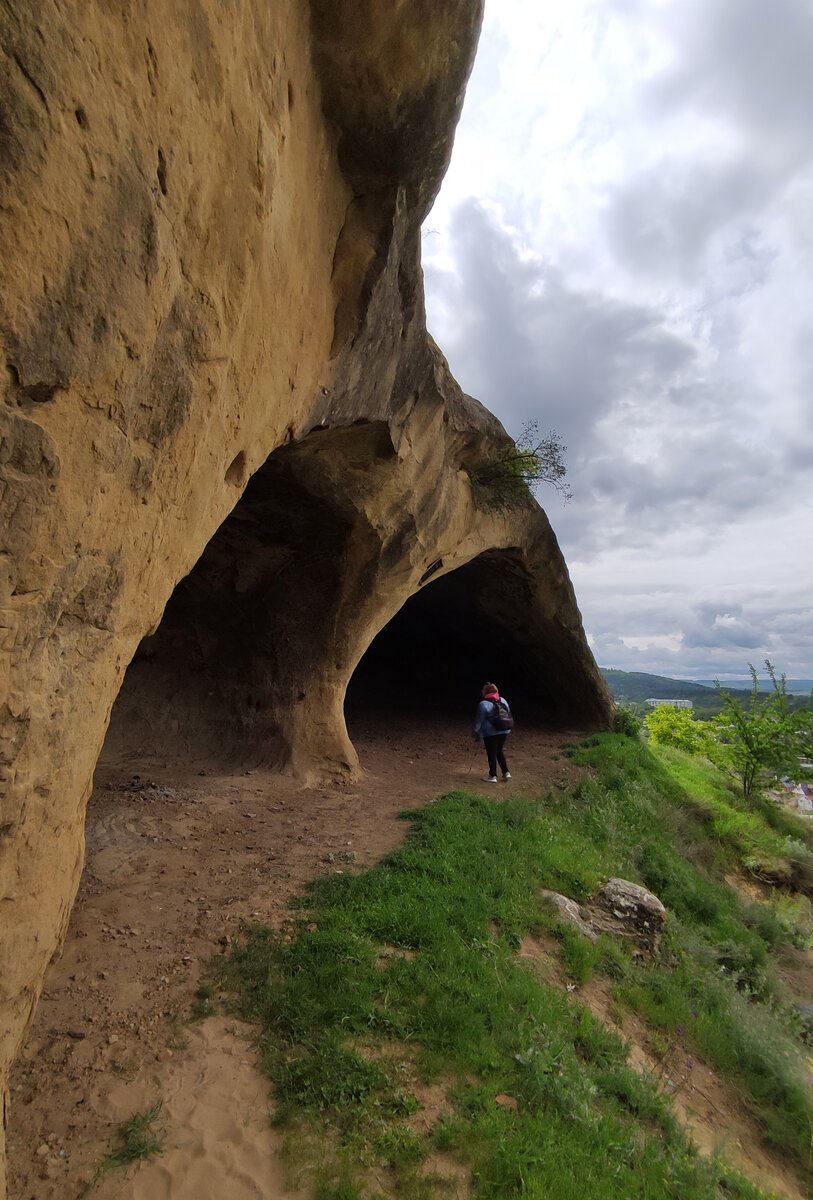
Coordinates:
<point>501,718</point>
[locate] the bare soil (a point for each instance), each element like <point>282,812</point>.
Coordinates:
<point>177,858</point>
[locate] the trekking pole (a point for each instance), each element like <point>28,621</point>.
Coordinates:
<point>474,755</point>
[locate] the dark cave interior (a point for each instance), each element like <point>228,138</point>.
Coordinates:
<point>262,600</point>
<point>436,653</point>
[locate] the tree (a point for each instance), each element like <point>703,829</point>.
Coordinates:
<point>668,726</point>
<point>763,733</point>
<point>511,478</point>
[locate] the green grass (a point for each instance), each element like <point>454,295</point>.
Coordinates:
<point>407,975</point>
<point>137,1139</point>
<point>758,837</point>
<point>721,991</point>
<point>204,1003</point>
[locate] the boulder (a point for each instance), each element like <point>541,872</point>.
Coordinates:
<point>620,909</point>
<point>627,910</point>
<point>571,913</point>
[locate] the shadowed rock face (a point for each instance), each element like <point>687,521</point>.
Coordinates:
<point>220,400</point>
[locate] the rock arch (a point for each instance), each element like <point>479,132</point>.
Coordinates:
<point>210,288</point>
<point>484,620</point>
<point>319,576</point>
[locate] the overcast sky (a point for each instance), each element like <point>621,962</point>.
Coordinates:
<point>623,251</point>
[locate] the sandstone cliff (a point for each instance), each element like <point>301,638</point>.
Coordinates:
<point>216,374</point>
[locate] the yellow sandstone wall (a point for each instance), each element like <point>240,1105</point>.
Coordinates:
<point>209,251</point>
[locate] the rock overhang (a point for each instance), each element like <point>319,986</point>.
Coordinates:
<point>211,309</point>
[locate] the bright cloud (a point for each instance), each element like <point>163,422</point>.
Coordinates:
<point>622,252</point>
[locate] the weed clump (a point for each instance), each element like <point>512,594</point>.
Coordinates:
<point>137,1139</point>
<point>509,479</point>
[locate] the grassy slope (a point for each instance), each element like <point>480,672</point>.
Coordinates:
<point>408,975</point>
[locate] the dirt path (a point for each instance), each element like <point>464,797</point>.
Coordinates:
<point>175,861</point>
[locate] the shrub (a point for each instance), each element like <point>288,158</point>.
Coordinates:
<point>678,727</point>
<point>509,480</point>
<point>626,723</point>
<point>765,732</point>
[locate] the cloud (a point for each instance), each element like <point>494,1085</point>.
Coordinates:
<point>538,348</point>
<point>728,125</point>
<point>624,255</point>
<point>665,632</point>
<point>663,219</point>
<point>712,628</point>
<point>747,62</point>
<point>651,443</point>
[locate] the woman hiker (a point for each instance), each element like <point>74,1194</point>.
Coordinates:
<point>493,723</point>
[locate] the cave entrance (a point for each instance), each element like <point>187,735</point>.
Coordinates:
<point>458,631</point>
<point>250,664</point>
<point>214,682</point>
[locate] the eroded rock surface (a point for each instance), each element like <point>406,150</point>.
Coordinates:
<point>620,909</point>
<point>215,370</point>
<point>629,910</point>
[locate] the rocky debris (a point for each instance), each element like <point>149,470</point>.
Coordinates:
<point>625,909</point>
<point>620,909</point>
<point>146,789</point>
<point>570,913</point>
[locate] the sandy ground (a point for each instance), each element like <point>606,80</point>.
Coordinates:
<point>176,860</point>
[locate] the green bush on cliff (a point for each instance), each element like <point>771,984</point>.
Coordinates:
<point>509,479</point>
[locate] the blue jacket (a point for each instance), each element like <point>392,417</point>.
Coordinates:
<point>483,726</point>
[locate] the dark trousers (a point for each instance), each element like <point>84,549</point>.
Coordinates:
<point>494,750</point>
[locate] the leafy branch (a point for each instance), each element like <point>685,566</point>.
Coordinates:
<point>763,732</point>
<point>509,480</point>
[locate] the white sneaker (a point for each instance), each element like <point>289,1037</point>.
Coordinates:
<point>489,779</point>
<point>506,774</point>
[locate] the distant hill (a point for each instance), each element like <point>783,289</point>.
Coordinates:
<point>795,687</point>
<point>636,687</point>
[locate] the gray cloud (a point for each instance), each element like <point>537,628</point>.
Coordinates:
<point>528,345</point>
<point>604,374</point>
<point>714,626</point>
<point>744,65</point>
<point>714,637</point>
<point>679,368</point>
<point>663,219</point>
<point>747,60</point>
